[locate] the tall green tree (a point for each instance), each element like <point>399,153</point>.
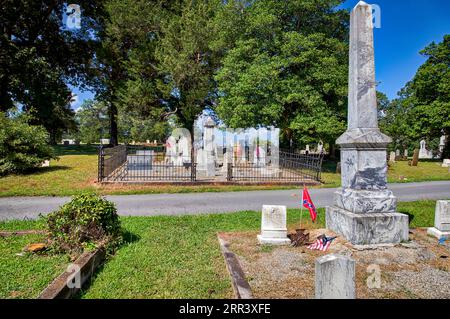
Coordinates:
<point>39,57</point>
<point>422,110</point>
<point>285,64</point>
<point>156,61</point>
<point>92,120</point>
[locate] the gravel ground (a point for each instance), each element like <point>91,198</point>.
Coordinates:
<point>428,283</point>
<point>408,271</point>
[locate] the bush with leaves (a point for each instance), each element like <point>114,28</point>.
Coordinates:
<point>87,221</point>
<point>22,146</point>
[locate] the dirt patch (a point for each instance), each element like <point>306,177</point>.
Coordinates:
<point>418,269</point>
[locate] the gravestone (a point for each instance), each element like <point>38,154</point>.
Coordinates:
<point>442,142</point>
<point>259,156</point>
<point>335,277</point>
<point>397,153</point>
<point>423,152</point>
<point>415,159</point>
<point>273,226</point>
<point>446,163</point>
<point>45,163</point>
<point>364,210</point>
<point>206,155</point>
<point>405,154</point>
<point>441,220</point>
<point>142,159</point>
<point>392,157</point>
<point>320,147</point>
<point>171,150</point>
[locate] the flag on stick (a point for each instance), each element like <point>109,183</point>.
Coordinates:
<point>307,203</point>
<point>322,243</point>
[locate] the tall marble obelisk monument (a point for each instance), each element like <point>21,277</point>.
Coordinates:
<point>364,210</point>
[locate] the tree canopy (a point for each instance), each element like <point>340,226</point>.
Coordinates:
<point>273,70</point>
<point>422,110</point>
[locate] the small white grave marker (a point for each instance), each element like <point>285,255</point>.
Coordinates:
<point>441,220</point>
<point>273,226</point>
<point>335,277</point>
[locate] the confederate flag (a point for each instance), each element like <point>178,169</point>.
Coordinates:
<point>307,203</point>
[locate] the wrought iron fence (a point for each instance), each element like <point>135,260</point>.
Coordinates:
<point>131,163</point>
<point>291,167</point>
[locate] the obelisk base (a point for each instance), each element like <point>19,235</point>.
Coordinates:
<point>368,229</point>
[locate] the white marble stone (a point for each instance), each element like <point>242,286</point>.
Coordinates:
<point>335,277</point>
<point>273,226</point>
<point>364,210</point>
<point>370,228</point>
<point>46,163</point>
<point>423,152</point>
<point>441,218</point>
<point>392,157</point>
<point>446,163</point>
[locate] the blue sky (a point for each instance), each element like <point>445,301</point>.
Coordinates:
<point>407,26</point>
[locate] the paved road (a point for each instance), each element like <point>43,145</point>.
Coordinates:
<point>200,203</point>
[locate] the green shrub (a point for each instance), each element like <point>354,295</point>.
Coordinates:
<point>87,221</point>
<point>22,146</point>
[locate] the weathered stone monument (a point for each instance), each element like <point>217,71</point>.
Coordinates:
<point>364,210</point>
<point>415,159</point>
<point>423,152</point>
<point>335,277</point>
<point>273,226</point>
<point>441,220</point>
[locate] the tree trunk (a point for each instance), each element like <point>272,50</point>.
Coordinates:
<point>446,151</point>
<point>113,130</point>
<point>332,148</point>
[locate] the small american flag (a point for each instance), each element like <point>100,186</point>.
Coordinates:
<point>322,243</point>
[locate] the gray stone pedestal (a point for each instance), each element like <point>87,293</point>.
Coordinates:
<point>368,229</point>
<point>364,210</point>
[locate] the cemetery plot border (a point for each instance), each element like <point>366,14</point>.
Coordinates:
<point>154,164</point>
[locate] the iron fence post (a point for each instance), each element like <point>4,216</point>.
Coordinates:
<point>100,164</point>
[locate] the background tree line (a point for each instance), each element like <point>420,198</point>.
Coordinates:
<point>155,63</point>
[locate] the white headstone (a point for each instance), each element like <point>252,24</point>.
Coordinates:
<point>392,157</point>
<point>446,163</point>
<point>397,152</point>
<point>46,163</point>
<point>442,141</point>
<point>423,152</point>
<point>320,147</point>
<point>441,220</point>
<point>335,277</point>
<point>405,153</point>
<point>273,226</point>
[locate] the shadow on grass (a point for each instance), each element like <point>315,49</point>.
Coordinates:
<point>43,170</point>
<point>128,238</point>
<point>61,150</point>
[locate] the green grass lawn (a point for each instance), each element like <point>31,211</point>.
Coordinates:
<point>26,276</point>
<point>76,171</point>
<point>163,257</point>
